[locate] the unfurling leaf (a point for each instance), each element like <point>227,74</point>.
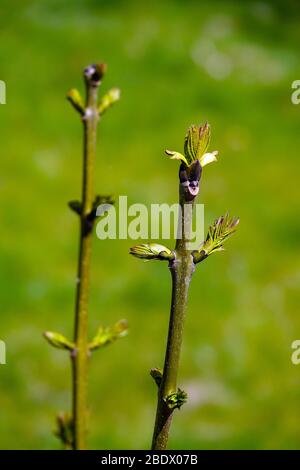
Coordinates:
<point>209,157</point>
<point>176,156</point>
<point>196,143</point>
<point>152,251</point>
<point>218,232</point>
<point>58,341</point>
<point>109,334</point>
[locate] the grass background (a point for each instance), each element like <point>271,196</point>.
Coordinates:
<point>177,63</point>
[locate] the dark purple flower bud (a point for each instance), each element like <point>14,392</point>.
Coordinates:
<point>189,177</point>
<point>94,73</point>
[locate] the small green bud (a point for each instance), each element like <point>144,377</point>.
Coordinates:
<point>111,97</point>
<point>152,251</point>
<point>59,341</point>
<point>108,335</point>
<point>76,100</point>
<point>156,374</point>
<point>176,399</point>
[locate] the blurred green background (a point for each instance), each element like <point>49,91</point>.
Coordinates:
<point>177,63</point>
